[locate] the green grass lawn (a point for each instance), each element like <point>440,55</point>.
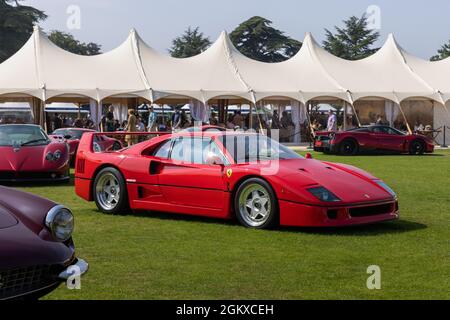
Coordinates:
<point>163,256</point>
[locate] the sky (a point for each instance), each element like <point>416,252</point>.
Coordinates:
<point>420,27</point>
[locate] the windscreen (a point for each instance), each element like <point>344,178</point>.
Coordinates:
<point>22,135</point>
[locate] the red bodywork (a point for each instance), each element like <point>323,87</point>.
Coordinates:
<point>161,184</point>
<point>30,163</point>
<point>371,139</point>
<point>104,142</point>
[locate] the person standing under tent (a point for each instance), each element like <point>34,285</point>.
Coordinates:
<point>152,120</point>
<point>238,120</point>
<point>332,121</point>
<point>213,119</point>
<point>275,120</point>
<point>131,127</point>
<point>176,120</point>
<point>109,120</point>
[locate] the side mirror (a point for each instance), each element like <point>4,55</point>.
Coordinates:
<point>308,156</point>
<point>214,159</point>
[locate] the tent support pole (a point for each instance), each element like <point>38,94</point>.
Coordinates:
<point>250,119</point>
<point>356,114</point>
<point>308,117</point>
<point>404,117</point>
<point>345,116</point>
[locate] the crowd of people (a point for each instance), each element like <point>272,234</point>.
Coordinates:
<point>152,121</point>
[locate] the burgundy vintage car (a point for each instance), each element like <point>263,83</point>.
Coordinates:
<point>37,253</point>
<point>375,139</point>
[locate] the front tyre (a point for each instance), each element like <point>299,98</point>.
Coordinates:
<point>110,192</point>
<point>255,204</point>
<point>417,147</point>
<point>348,147</point>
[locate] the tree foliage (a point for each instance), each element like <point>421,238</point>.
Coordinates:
<point>257,39</point>
<point>67,42</point>
<point>16,26</point>
<point>192,42</point>
<point>354,41</point>
<point>443,52</point>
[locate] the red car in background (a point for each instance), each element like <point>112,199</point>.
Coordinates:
<point>226,175</point>
<point>376,138</point>
<point>28,154</point>
<point>73,135</point>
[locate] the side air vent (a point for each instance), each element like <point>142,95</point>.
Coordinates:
<point>80,165</point>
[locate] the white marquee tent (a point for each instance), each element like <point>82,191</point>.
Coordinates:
<point>42,70</point>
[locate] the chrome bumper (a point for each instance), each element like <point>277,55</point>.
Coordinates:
<point>79,268</point>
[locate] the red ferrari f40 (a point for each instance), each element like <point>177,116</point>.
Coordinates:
<point>229,174</point>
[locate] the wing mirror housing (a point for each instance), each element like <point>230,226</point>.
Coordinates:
<point>214,159</point>
<point>308,156</point>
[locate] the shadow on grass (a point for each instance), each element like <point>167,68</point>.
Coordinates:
<point>388,227</point>
<point>389,155</point>
<point>41,184</point>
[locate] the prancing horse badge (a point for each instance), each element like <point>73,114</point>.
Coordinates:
<point>229,173</point>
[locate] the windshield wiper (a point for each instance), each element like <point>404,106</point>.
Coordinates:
<point>33,141</point>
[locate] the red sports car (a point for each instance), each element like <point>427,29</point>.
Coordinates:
<point>28,154</point>
<point>73,135</point>
<point>37,253</point>
<point>377,138</point>
<point>226,175</point>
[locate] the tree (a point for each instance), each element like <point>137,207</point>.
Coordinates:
<point>190,43</point>
<point>256,39</point>
<point>354,41</point>
<point>16,26</point>
<point>443,52</point>
<point>67,42</point>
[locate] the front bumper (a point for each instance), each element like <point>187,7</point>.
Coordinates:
<point>36,281</point>
<point>303,215</point>
<point>12,176</point>
<point>79,268</point>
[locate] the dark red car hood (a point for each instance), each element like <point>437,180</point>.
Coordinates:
<point>350,184</point>
<point>31,158</point>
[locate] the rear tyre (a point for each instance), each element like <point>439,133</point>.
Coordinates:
<point>348,147</point>
<point>255,204</point>
<point>110,192</point>
<point>417,147</point>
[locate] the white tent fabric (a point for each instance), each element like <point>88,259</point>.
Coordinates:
<point>43,70</point>
<point>120,111</point>
<point>95,113</point>
<point>199,111</point>
<point>392,110</point>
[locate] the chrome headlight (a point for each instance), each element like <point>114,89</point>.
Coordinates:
<point>60,222</point>
<point>323,194</point>
<point>57,155</point>
<point>387,188</point>
<point>49,156</point>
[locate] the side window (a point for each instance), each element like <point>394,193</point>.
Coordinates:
<point>213,149</point>
<point>163,150</point>
<point>195,150</point>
